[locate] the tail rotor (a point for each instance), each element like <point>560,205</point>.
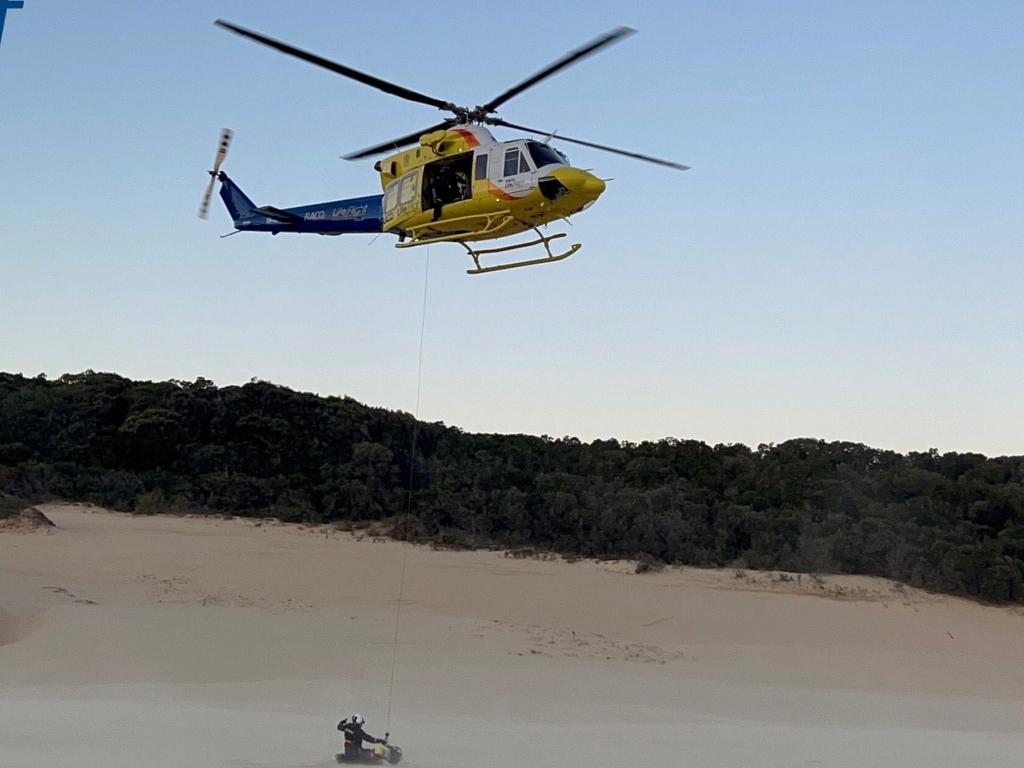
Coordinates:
<point>222,153</point>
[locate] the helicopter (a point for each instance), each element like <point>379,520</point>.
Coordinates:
<point>456,183</point>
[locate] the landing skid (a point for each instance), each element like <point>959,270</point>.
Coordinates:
<point>544,240</point>
<point>487,225</point>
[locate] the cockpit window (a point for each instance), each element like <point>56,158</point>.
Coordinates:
<point>511,162</point>
<point>515,162</point>
<point>543,155</point>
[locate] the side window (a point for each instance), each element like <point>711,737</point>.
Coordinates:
<point>481,166</point>
<point>408,190</point>
<point>524,166</point>
<point>400,195</point>
<point>511,162</point>
<point>391,198</point>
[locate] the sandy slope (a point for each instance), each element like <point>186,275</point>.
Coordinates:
<point>128,641</point>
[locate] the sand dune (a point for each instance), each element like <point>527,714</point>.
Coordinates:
<point>131,641</point>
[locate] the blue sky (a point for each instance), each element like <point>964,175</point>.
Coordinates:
<point>844,261</point>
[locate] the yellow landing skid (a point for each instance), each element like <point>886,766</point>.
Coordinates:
<point>544,240</point>
<point>486,226</point>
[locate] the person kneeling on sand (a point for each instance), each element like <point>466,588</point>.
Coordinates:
<point>355,736</point>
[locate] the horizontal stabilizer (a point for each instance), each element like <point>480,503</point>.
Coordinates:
<point>278,215</point>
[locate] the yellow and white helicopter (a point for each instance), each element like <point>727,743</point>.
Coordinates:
<point>458,184</point>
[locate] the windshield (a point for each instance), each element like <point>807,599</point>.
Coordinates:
<point>543,155</point>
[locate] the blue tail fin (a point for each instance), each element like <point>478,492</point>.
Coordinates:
<point>235,200</point>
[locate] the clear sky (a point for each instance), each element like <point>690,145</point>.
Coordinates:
<point>844,261</point>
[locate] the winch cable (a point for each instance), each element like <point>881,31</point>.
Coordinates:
<point>408,503</point>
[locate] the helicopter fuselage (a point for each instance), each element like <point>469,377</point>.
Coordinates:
<point>461,182</point>
<point>459,185</point>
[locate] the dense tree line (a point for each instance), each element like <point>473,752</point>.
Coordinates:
<point>949,522</point>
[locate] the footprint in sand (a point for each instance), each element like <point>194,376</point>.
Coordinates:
<point>69,594</point>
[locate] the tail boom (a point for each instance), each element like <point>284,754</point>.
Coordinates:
<point>336,217</point>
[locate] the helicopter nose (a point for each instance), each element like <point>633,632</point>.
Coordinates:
<point>592,187</point>
<point>581,182</point>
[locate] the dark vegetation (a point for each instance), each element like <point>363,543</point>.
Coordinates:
<point>949,522</point>
<point>10,506</point>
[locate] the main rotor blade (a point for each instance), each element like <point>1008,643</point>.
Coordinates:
<point>341,69</point>
<point>570,58</point>
<point>404,141</point>
<point>560,137</point>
